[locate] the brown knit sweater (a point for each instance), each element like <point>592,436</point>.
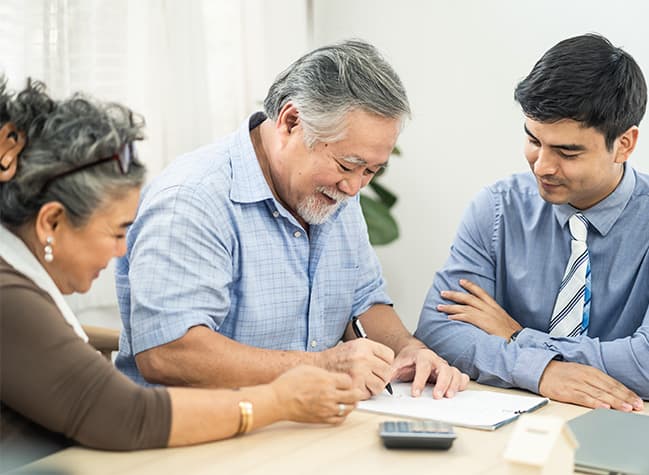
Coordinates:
<point>55,389</point>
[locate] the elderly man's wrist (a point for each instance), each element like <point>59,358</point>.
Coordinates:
<point>411,343</point>
<point>514,335</point>
<point>317,358</point>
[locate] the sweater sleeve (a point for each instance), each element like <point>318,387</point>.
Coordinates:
<point>50,376</point>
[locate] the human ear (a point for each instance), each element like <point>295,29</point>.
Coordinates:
<point>288,118</point>
<point>49,221</point>
<point>626,144</point>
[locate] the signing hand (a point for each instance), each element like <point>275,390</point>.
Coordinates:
<point>478,308</point>
<point>587,386</point>
<point>310,394</point>
<point>367,362</point>
<point>420,365</point>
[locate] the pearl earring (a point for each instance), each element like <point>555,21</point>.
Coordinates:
<point>49,256</point>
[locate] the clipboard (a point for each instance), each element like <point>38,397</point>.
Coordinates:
<point>486,410</point>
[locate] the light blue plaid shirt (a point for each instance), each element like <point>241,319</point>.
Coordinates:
<point>211,246</point>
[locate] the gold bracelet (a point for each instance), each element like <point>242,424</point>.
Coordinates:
<point>245,417</point>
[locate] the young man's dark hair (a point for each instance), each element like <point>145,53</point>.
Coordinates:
<point>588,80</point>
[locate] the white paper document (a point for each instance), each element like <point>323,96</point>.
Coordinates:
<point>486,410</point>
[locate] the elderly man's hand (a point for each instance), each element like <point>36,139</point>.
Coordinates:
<point>417,363</point>
<point>366,361</point>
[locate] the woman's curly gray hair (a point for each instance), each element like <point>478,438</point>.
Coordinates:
<point>62,135</point>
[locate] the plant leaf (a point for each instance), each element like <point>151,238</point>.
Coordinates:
<point>386,196</point>
<point>381,226</point>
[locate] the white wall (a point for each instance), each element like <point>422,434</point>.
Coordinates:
<point>460,62</point>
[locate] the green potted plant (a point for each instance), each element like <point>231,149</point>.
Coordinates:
<point>381,225</point>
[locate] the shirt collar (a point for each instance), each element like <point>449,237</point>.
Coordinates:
<point>248,182</point>
<point>604,214</point>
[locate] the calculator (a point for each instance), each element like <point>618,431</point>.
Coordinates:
<point>417,435</point>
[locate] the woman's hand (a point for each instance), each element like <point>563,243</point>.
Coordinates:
<point>311,394</point>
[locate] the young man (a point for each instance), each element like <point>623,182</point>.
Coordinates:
<point>556,261</point>
<point>251,256</point>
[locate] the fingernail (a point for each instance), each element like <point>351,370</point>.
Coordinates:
<point>627,407</point>
<point>462,281</point>
<point>638,404</point>
<point>450,393</point>
<point>444,293</point>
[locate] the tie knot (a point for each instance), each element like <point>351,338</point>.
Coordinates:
<point>578,226</point>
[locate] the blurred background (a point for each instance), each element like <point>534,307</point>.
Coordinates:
<point>196,68</point>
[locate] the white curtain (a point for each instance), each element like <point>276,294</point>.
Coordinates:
<point>193,68</point>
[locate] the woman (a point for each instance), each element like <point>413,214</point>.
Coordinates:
<point>65,204</point>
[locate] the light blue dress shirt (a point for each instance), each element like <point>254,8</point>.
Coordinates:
<point>211,246</point>
<point>515,246</point>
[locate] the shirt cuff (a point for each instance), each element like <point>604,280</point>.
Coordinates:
<point>529,367</point>
<point>530,338</point>
<point>148,335</point>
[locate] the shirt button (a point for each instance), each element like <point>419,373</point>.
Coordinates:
<point>314,343</point>
<point>297,234</point>
<point>275,214</point>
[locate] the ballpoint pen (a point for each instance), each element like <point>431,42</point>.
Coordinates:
<point>359,331</point>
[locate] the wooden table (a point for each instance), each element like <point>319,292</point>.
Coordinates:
<point>289,448</point>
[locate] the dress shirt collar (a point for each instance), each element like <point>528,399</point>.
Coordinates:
<point>604,214</point>
<point>248,182</point>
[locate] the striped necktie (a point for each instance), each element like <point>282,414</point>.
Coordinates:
<point>572,308</point>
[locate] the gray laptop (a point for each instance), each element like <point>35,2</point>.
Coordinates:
<point>611,442</point>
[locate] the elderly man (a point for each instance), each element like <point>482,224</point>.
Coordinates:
<point>556,261</point>
<point>250,256</point>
